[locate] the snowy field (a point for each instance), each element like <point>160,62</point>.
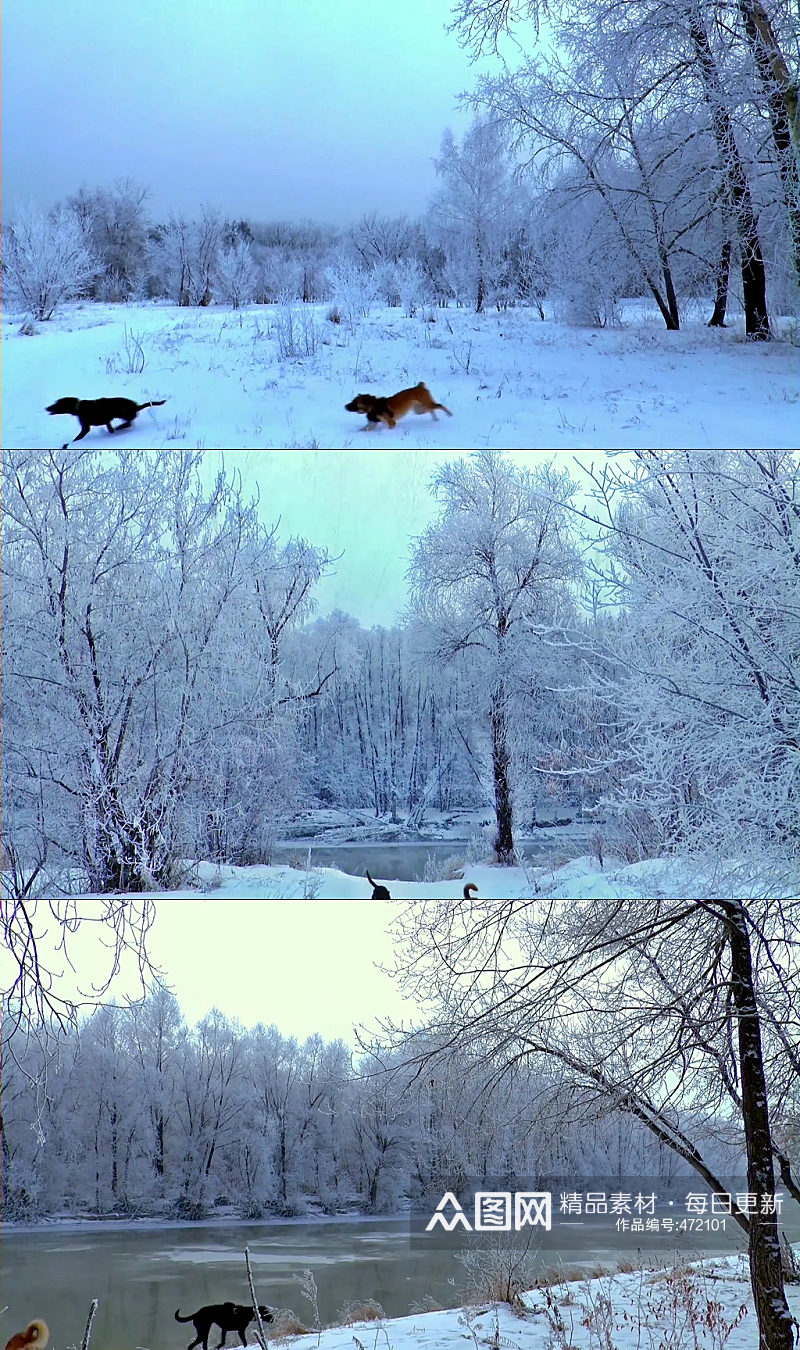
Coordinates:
<point>705,1307</point>
<point>581,879</point>
<point>511,381</point>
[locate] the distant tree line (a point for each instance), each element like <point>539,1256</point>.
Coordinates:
<point>132,1112</point>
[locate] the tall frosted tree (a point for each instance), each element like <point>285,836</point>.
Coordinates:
<point>117,568</point>
<point>661,57</point>
<point>475,202</point>
<point>46,260</point>
<point>702,559</point>
<point>495,565</point>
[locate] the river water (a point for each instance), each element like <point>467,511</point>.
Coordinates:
<point>407,862</point>
<point>142,1273</point>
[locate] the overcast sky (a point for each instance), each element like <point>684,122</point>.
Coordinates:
<point>268,109</point>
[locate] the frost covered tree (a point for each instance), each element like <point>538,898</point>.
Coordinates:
<point>383,733</point>
<point>475,203</point>
<point>155,1031</point>
<point>211,1104</point>
<point>153,681</point>
<point>702,558</point>
<point>46,260</point>
<point>679,1013</point>
<point>244,772</point>
<point>236,273</point>
<point>185,254</point>
<point>381,1131</point>
<point>383,239</point>
<point>493,567</point>
<point>659,58</point>
<point>114,223</point>
<point>296,1090</point>
<point>117,569</point>
<point>601,127</point>
<point>353,287</point>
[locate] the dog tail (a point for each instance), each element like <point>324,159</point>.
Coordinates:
<point>371,882</point>
<point>37,1334</point>
<point>156,403</point>
<point>178,1317</point>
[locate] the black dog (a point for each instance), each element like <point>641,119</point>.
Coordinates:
<point>98,412</point>
<point>379,892</point>
<point>227,1316</point>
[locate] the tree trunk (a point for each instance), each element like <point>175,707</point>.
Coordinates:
<point>114,1156</point>
<point>717,319</point>
<point>754,277</point>
<point>283,1163</point>
<point>766,1273</point>
<point>674,321</point>
<point>780,91</point>
<point>372,1198</point>
<point>504,841</point>
<point>160,1144</point>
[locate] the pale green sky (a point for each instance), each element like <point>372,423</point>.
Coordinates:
<point>307,965</point>
<point>364,504</point>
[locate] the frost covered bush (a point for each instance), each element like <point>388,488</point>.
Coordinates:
<point>46,261</point>
<point>497,1272</point>
<point>412,286</point>
<point>297,333</point>
<point>354,288</point>
<point>360,1310</point>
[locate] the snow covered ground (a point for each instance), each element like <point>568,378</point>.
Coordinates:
<point>679,1310</point>
<point>582,878</point>
<point>511,381</point>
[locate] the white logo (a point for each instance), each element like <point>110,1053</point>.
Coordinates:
<point>493,1212</point>
<point>533,1208</point>
<point>458,1217</point>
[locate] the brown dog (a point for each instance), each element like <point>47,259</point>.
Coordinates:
<point>37,1335</point>
<point>390,410</point>
<point>99,412</point>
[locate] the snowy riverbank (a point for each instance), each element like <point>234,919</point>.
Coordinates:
<point>704,1306</point>
<point>581,878</point>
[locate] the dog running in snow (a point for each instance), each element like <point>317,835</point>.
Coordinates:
<point>100,412</point>
<point>390,410</point>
